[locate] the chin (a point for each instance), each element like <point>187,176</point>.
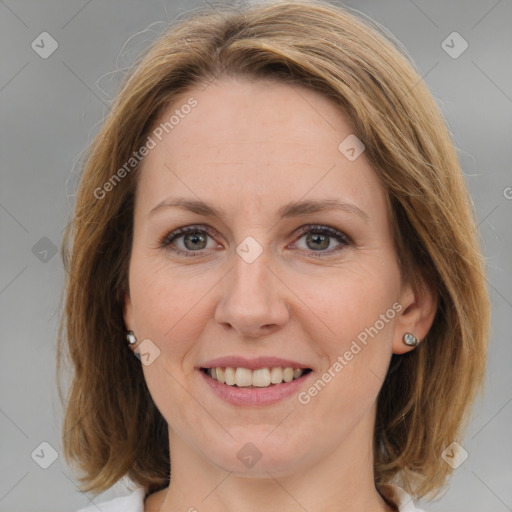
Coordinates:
<point>255,453</point>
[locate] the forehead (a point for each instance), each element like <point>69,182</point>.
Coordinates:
<point>241,141</point>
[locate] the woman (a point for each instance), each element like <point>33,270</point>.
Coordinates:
<point>274,221</point>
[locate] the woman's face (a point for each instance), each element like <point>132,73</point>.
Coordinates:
<point>267,284</point>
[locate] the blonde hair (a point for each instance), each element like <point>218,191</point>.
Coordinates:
<point>111,426</point>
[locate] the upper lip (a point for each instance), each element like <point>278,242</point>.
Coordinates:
<point>252,364</point>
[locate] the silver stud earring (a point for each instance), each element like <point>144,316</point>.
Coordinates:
<point>410,340</point>
<point>131,338</point>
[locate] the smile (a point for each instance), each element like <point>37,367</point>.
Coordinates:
<point>257,378</point>
<point>257,387</point>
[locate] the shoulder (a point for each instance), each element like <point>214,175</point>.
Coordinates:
<point>134,502</point>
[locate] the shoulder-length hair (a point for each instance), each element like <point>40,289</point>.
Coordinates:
<point>111,426</point>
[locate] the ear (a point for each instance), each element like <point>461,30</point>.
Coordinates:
<point>416,316</point>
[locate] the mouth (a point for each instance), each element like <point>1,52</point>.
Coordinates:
<point>258,378</point>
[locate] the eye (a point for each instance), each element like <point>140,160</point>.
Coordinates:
<point>194,239</point>
<point>318,237</point>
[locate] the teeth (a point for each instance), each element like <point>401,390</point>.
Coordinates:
<point>288,374</point>
<point>243,377</point>
<point>260,378</point>
<point>276,375</point>
<point>229,376</point>
<point>220,375</point>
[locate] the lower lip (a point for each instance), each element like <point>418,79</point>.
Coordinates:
<point>255,396</point>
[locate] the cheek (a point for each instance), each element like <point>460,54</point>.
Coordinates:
<point>169,307</point>
<point>349,303</point>
<point>352,328</point>
<point>169,303</point>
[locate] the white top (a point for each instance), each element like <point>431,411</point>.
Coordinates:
<point>134,502</point>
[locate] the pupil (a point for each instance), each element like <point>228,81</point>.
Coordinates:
<point>194,238</point>
<point>316,237</point>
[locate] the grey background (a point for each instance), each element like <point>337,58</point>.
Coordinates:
<point>50,110</point>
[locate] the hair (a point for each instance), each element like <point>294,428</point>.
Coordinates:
<point>111,426</point>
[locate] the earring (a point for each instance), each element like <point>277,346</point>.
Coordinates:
<point>131,338</point>
<point>410,340</point>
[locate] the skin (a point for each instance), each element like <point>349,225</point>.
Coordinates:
<point>248,148</point>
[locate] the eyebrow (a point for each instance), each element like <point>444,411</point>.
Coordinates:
<point>293,209</point>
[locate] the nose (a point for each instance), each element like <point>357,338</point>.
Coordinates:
<point>253,301</point>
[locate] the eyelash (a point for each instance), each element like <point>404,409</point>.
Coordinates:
<point>316,229</point>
